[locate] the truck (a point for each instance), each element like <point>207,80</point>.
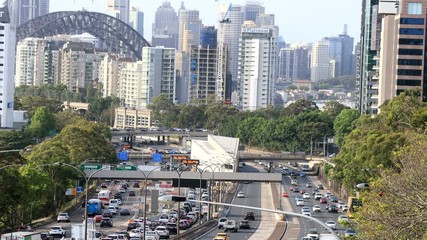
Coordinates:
<point>327,236</point>
<point>78,231</point>
<point>230,226</point>
<point>94,207</point>
<point>21,236</point>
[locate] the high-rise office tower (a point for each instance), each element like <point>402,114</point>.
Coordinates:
<point>7,68</point>
<point>165,27</point>
<point>25,10</point>
<point>401,58</point>
<point>293,63</point>
<point>119,9</point>
<point>256,67</point>
<point>190,27</point>
<point>232,32</point>
<point>253,9</point>
<point>366,77</point>
<point>136,20</point>
<point>320,61</point>
<point>208,37</point>
<point>341,51</point>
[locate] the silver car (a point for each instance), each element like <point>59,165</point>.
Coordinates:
<point>63,217</point>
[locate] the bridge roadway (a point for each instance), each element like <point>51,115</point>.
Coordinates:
<point>160,133</point>
<point>165,175</point>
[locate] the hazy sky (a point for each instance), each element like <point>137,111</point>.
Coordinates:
<point>298,20</point>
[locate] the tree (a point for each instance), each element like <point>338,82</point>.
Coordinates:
<point>312,125</point>
<point>298,107</point>
<point>31,104</point>
<point>343,124</point>
<point>250,130</point>
<point>217,113</point>
<point>399,212</point>
<point>334,108</point>
<point>191,116</point>
<point>164,110</point>
<point>42,123</point>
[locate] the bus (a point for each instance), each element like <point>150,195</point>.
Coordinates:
<point>104,196</point>
<point>94,207</point>
<point>353,206</point>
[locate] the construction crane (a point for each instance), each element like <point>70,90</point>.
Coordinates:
<point>221,69</point>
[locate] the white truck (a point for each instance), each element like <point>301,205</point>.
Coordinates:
<point>230,226</point>
<point>21,236</point>
<point>78,232</point>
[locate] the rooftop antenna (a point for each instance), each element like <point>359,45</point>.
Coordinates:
<point>345,29</point>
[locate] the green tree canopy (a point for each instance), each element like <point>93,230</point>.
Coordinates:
<point>343,124</point>
<point>298,107</point>
<point>42,122</point>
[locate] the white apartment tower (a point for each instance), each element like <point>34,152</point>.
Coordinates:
<point>256,67</point>
<point>140,82</point>
<point>30,60</point>
<point>119,9</point>
<point>320,61</point>
<point>108,73</point>
<point>7,68</point>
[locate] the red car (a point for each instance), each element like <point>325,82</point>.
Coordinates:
<point>302,191</point>
<point>323,200</point>
<point>291,188</point>
<point>285,194</point>
<point>97,218</point>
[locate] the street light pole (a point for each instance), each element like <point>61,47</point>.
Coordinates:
<point>200,188</point>
<point>145,194</point>
<point>325,154</point>
<point>179,203</point>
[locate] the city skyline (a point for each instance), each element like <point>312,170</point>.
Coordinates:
<point>286,12</point>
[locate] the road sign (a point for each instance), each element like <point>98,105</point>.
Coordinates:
<point>156,157</point>
<point>125,167</point>
<point>123,156</point>
<point>79,189</point>
<point>179,157</point>
<point>190,161</point>
<point>90,167</point>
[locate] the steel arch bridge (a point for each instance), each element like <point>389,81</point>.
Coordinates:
<point>117,35</point>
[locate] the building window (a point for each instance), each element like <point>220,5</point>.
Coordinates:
<point>412,31</point>
<point>414,21</point>
<point>404,51</point>
<point>407,41</point>
<point>409,72</point>
<point>408,83</point>
<point>412,62</point>
<point>415,8</point>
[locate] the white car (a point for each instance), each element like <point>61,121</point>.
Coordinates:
<point>306,212</point>
<point>135,233</point>
<point>221,222</point>
<point>122,190</point>
<point>113,209</point>
<point>318,196</point>
<point>316,208</point>
<point>331,224</point>
<point>63,217</point>
<point>300,202</point>
<point>312,233</point>
<point>306,195</point>
<point>152,235</point>
<point>164,218</point>
<point>57,231</point>
<point>294,182</point>
<point>240,194</point>
<point>162,231</point>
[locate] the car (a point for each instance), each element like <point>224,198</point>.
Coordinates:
<point>240,194</point>
<point>291,188</point>
<point>57,231</point>
<point>151,235</point>
<point>230,225</point>
<point>244,224</point>
<point>349,232</point>
<point>221,222</point>
<point>132,193</point>
<point>309,185</point>
<point>320,187</point>
<point>342,219</point>
<point>124,211</point>
<point>136,185</point>
<point>307,238</point>
<point>318,196</point>
<point>293,174</point>
<point>332,208</point>
<point>122,190</point>
<point>314,191</point>
<point>306,212</point>
<point>222,236</point>
<point>300,202</point>
<point>97,218</point>
<point>296,189</point>
<point>285,168</point>
<point>312,232</point>
<point>171,227</point>
<point>316,208</point>
<point>302,191</point>
<point>306,195</point>
<point>164,218</point>
<point>113,209</point>
<point>331,224</point>
<point>162,231</point>
<point>302,174</point>
<point>104,185</point>
<point>333,199</point>
<point>294,182</point>
<point>328,194</point>
<point>135,233</point>
<point>323,200</point>
<point>285,194</point>
<point>249,216</point>
<point>46,236</point>
<point>107,213</point>
<point>106,222</point>
<point>63,217</point>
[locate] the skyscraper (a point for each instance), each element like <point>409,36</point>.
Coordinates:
<point>320,61</point>
<point>30,56</point>
<point>190,27</point>
<point>25,10</point>
<point>208,37</point>
<point>341,51</point>
<point>293,63</point>
<point>232,32</point>
<point>136,20</point>
<point>253,9</point>
<point>119,9</point>
<point>256,67</point>
<point>7,68</point>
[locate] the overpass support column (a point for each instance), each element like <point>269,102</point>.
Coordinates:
<point>158,139</point>
<point>169,139</point>
<point>180,140</point>
<point>163,138</point>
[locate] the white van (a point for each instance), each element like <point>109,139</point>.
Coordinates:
<point>114,202</point>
